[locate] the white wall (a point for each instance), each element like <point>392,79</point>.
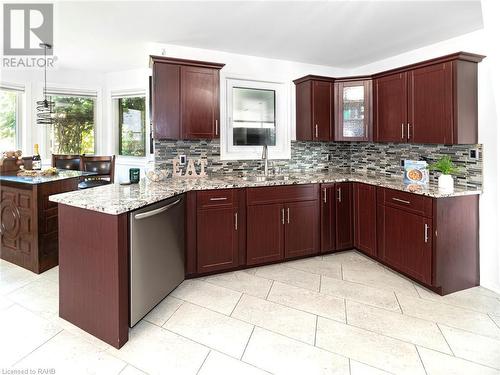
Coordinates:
<point>481,42</point>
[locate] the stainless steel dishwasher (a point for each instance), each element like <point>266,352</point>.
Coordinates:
<point>156,254</point>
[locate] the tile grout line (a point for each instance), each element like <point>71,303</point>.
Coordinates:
<point>178,307</point>
<point>38,347</point>
<point>397,300</point>
<point>345,310</point>
<point>234,308</point>
<point>445,339</point>
<point>420,358</point>
<point>493,320</point>
<point>248,341</point>
<point>349,362</point>
<point>316,330</point>
<point>202,363</point>
<point>269,291</point>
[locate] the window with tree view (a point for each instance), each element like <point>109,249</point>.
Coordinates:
<point>73,128</point>
<point>8,120</point>
<point>132,126</point>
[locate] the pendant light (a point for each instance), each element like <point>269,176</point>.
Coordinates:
<point>44,107</point>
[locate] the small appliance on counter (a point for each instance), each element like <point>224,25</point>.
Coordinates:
<point>134,175</point>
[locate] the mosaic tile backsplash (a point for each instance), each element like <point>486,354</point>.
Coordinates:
<point>380,158</point>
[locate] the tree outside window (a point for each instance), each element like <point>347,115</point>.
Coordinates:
<point>73,128</point>
<point>8,120</point>
<point>132,126</point>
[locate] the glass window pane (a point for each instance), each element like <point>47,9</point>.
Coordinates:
<point>132,126</point>
<point>73,126</point>
<point>354,111</point>
<point>8,120</point>
<point>254,117</point>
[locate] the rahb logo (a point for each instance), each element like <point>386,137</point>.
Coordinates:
<point>26,26</point>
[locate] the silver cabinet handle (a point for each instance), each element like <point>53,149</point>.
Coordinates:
<point>145,215</point>
<point>218,199</point>
<point>324,195</point>
<point>339,194</point>
<point>402,131</point>
<point>282,216</point>
<point>288,215</point>
<point>408,131</point>
<point>426,233</point>
<point>316,130</point>
<point>401,200</point>
<point>216,127</point>
<point>235,221</point>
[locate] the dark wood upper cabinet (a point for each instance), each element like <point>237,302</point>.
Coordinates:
<point>390,108</point>
<point>301,228</point>
<point>314,108</point>
<point>343,216</point>
<point>365,218</point>
<point>434,101</point>
<point>185,98</point>
<point>353,110</point>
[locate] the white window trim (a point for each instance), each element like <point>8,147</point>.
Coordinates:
<point>282,150</point>
<point>122,159</point>
<point>63,90</point>
<point>20,109</point>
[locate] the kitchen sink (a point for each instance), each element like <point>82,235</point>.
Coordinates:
<point>265,178</point>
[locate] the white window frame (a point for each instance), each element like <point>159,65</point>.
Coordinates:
<point>124,159</point>
<point>19,90</point>
<point>84,93</point>
<point>282,149</point>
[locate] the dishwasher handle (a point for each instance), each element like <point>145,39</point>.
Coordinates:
<point>145,215</point>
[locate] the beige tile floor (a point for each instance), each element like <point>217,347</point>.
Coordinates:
<point>337,314</point>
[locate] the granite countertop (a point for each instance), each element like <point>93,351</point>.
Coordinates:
<point>116,199</point>
<point>61,175</point>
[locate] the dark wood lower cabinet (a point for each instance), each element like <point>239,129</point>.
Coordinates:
<point>265,226</point>
<point>365,218</point>
<point>327,212</point>
<point>344,239</point>
<point>301,228</point>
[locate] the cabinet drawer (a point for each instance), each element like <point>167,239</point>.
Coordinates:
<point>415,203</point>
<point>215,198</point>
<point>276,194</point>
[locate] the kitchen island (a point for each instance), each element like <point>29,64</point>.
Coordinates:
<point>94,269</point>
<point>29,220</point>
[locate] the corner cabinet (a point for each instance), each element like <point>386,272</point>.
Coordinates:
<point>365,218</point>
<point>434,102</point>
<point>185,97</point>
<point>314,108</point>
<point>353,110</point>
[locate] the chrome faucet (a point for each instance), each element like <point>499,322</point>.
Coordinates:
<point>266,162</point>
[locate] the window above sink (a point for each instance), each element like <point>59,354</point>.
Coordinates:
<point>254,113</point>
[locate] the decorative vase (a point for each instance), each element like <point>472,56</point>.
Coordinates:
<point>445,182</point>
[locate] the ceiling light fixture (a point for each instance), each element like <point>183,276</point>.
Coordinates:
<point>44,107</point>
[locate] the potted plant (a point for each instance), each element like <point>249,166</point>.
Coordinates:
<point>447,168</point>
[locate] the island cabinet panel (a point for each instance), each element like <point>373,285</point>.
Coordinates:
<point>390,108</point>
<point>185,97</point>
<point>343,216</point>
<point>217,230</point>
<point>94,273</point>
<point>314,108</point>
<point>301,228</point>
<point>365,218</point>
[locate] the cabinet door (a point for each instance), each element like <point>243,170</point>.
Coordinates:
<point>265,242</point>
<point>430,104</point>
<point>327,207</point>
<point>343,216</point>
<point>301,228</point>
<point>200,102</point>
<point>406,242</point>
<point>390,108</point>
<point>303,114</point>
<point>166,101</point>
<point>365,218</point>
<point>217,239</point>
<point>322,110</point>
<point>353,107</point>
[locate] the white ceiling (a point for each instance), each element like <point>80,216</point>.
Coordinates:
<point>111,36</point>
